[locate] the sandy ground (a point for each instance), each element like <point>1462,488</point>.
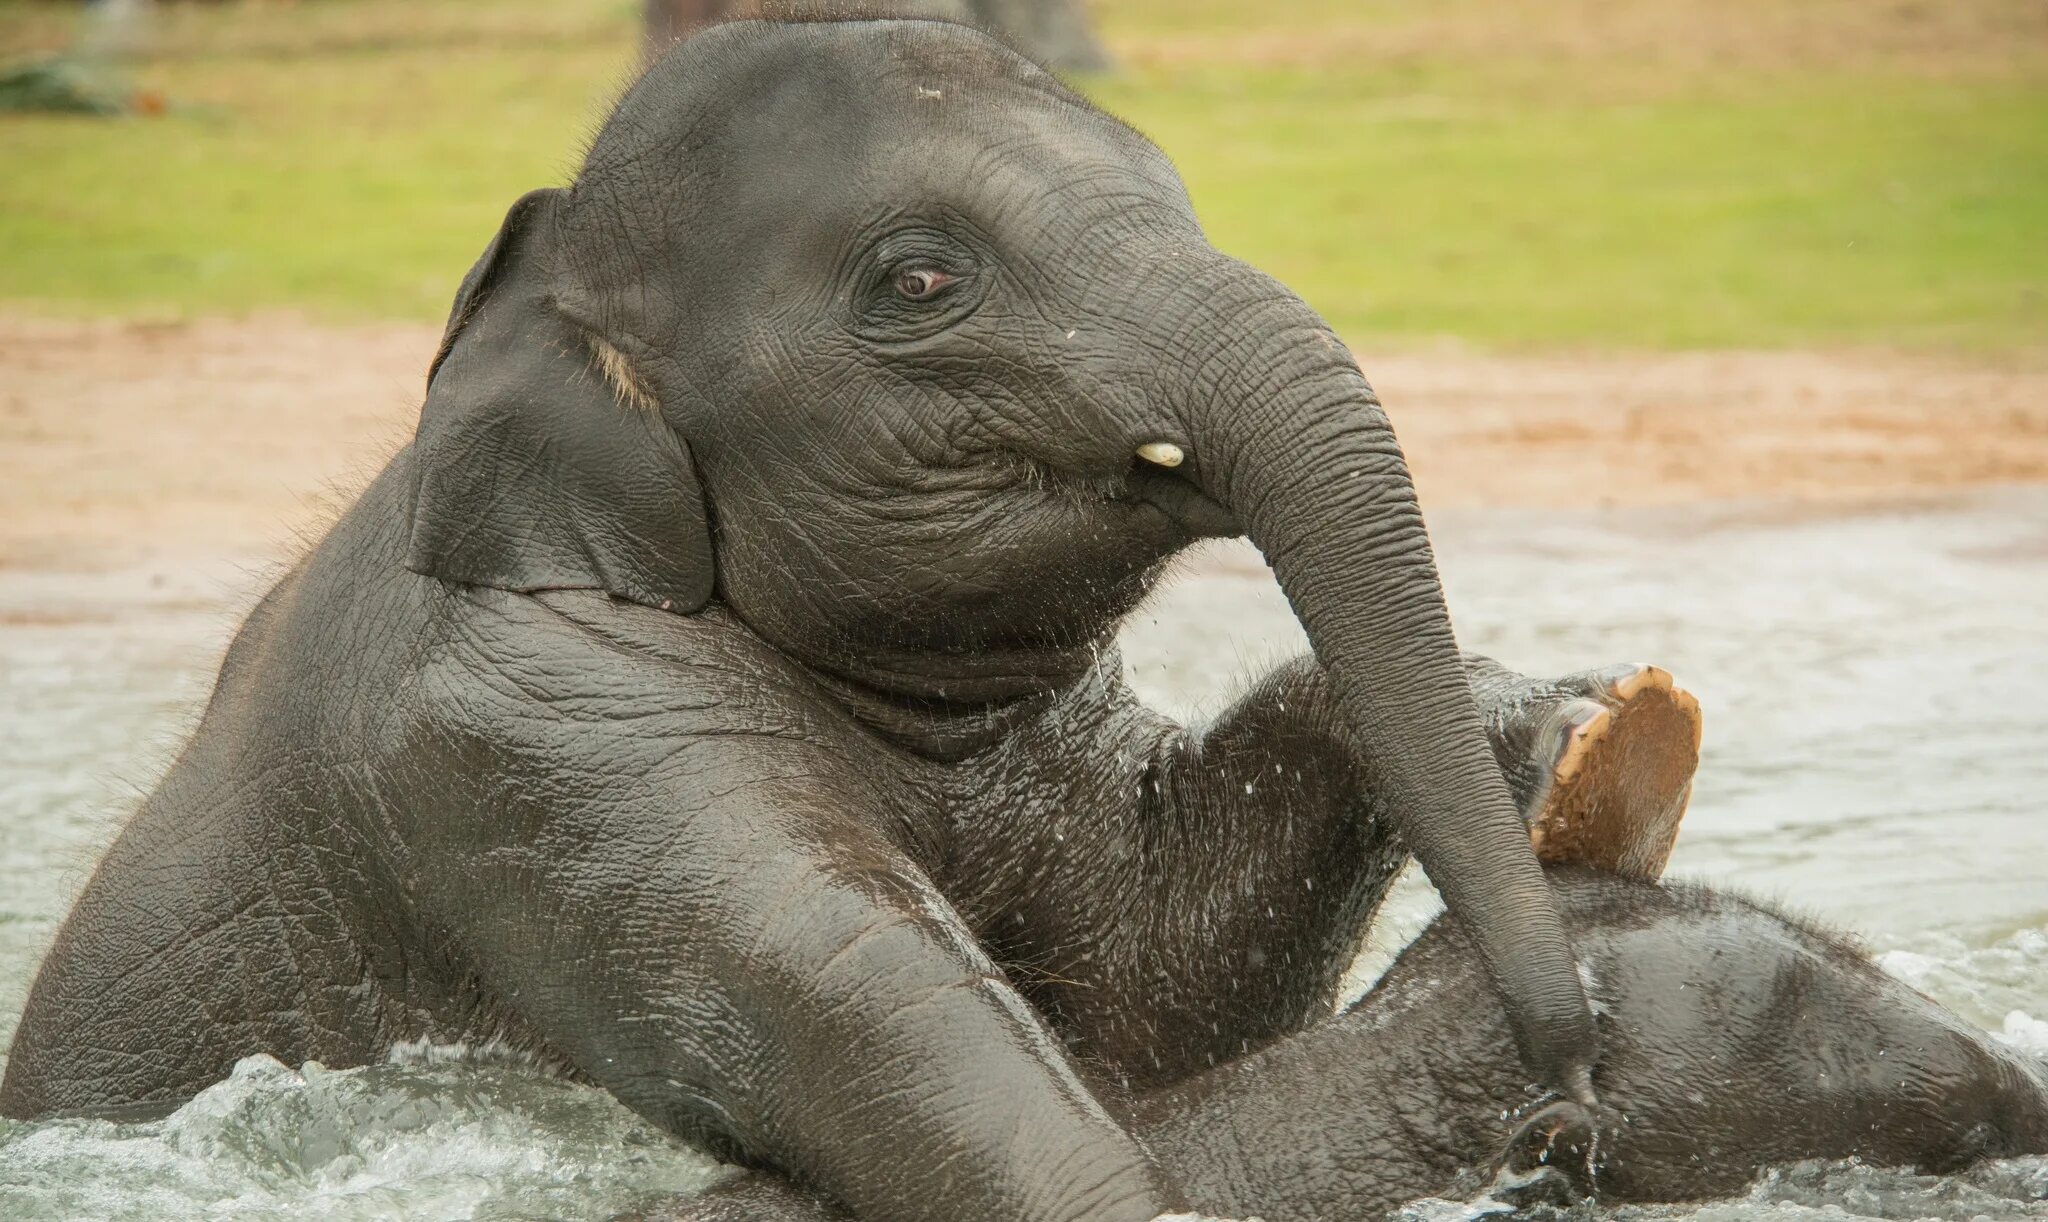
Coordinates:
<point>123,441</point>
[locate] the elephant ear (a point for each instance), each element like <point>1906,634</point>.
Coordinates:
<point>541,463</point>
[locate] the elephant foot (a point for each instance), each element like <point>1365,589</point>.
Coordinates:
<point>1553,1159</point>
<point>1620,752</point>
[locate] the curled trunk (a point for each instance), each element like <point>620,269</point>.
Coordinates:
<point>1281,428</point>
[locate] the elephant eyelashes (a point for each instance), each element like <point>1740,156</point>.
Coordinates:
<point>921,283</point>
<point>917,283</point>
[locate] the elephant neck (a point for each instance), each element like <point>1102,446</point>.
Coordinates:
<point>924,718</point>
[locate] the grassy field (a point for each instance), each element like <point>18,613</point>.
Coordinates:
<point>1665,173</point>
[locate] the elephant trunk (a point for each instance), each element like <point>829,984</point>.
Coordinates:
<point>1282,430</point>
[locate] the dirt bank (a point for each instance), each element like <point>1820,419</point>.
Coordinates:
<point>119,441</point>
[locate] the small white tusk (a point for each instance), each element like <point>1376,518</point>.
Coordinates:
<point>1164,453</point>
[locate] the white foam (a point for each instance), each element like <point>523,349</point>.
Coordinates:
<point>2025,1032</point>
<point>445,1139</point>
<point>1982,983</point>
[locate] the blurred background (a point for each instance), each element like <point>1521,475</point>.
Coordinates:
<point>1716,332</point>
<point>1590,251</point>
<point>1607,173</point>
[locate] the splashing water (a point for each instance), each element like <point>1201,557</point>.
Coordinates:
<point>1835,1191</point>
<point>1991,986</point>
<point>459,1139</point>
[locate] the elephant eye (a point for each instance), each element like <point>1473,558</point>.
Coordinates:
<point>921,283</point>
<point>910,285</point>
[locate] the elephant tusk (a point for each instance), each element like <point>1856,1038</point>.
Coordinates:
<point>1164,453</point>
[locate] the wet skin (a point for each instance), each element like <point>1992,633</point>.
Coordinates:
<point>1736,1039</point>
<point>717,699</point>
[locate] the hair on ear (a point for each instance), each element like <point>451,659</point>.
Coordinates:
<point>618,373</point>
<point>542,462</point>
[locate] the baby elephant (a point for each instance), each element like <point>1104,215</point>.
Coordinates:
<point>1736,1038</point>
<point>718,698</point>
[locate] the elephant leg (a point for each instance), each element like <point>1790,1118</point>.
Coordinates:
<point>1269,844</point>
<point>1177,898</point>
<point>1601,762</point>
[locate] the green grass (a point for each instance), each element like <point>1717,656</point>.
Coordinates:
<point>355,181</point>
<point>1415,171</point>
<point>1836,211</point>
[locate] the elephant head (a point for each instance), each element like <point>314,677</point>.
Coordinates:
<point>920,365</point>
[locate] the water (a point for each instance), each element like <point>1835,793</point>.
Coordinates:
<point>458,1140</point>
<point>1876,751</point>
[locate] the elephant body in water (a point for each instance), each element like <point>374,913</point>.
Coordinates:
<point>1736,1039</point>
<point>718,698</point>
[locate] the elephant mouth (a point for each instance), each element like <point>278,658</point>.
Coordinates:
<point>1164,509</point>
<point>1187,507</point>
<point>1189,512</point>
<point>1179,513</point>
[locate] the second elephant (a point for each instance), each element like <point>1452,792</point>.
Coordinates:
<point>1737,1038</point>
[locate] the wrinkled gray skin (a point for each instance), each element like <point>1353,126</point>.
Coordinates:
<point>717,697</point>
<point>1736,1039</point>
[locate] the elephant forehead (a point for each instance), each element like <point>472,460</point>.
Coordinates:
<point>763,120</point>
<point>872,65</point>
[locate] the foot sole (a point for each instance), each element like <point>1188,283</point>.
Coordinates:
<point>1624,759</point>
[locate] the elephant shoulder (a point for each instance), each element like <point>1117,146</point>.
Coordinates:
<point>576,683</point>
